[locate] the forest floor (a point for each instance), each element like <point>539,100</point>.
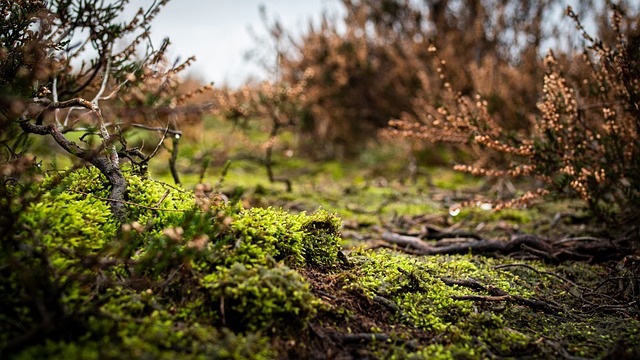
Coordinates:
<point>529,276</point>
<point>422,278</point>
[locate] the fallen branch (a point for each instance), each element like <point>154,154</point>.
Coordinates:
<point>394,247</point>
<point>612,307</point>
<point>434,233</point>
<point>471,284</point>
<point>540,247</point>
<point>405,240</point>
<point>497,294</point>
<point>482,246</point>
<point>539,272</point>
<point>547,256</point>
<point>495,246</point>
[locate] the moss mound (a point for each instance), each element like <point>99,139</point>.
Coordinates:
<point>259,297</point>
<point>175,282</point>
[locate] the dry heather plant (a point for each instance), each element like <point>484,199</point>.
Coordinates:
<point>69,67</point>
<point>274,105</point>
<point>369,65</point>
<point>584,140</point>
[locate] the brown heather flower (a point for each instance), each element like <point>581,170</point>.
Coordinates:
<point>581,143</point>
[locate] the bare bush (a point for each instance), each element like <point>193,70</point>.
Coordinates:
<point>371,64</point>
<point>583,142</point>
<point>75,67</point>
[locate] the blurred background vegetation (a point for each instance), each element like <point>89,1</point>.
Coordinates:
<point>337,86</point>
<point>453,73</point>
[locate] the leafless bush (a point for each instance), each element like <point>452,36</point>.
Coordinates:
<point>64,70</point>
<point>584,141</point>
<point>374,62</point>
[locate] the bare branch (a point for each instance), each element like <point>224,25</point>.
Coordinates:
<point>158,129</point>
<point>108,168</point>
<point>155,151</point>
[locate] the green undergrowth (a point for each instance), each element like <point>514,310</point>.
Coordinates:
<point>176,281</point>
<point>424,291</point>
<point>237,282</point>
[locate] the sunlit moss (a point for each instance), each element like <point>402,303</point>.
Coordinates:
<point>295,239</point>
<point>163,285</point>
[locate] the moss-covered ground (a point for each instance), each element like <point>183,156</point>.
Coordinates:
<point>241,269</point>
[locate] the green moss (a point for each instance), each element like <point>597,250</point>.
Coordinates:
<point>425,300</point>
<point>157,341</point>
<point>517,216</point>
<point>155,203</point>
<point>256,235</point>
<point>227,283</point>
<point>68,224</point>
<point>170,284</point>
<point>73,218</point>
<point>147,200</point>
<point>259,297</point>
<point>445,178</point>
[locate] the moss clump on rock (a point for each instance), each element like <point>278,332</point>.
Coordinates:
<point>257,234</point>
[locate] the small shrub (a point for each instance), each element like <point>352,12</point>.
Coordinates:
<point>373,62</point>
<point>583,143</point>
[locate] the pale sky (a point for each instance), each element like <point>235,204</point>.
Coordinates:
<point>218,32</point>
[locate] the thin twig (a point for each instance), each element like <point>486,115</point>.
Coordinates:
<point>539,272</point>
<point>127,202</point>
<point>580,238</point>
<point>105,79</point>
<point>404,240</point>
<point>503,296</point>
<point>482,297</point>
<point>158,129</point>
<point>612,307</point>
<point>155,151</point>
<point>162,198</point>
